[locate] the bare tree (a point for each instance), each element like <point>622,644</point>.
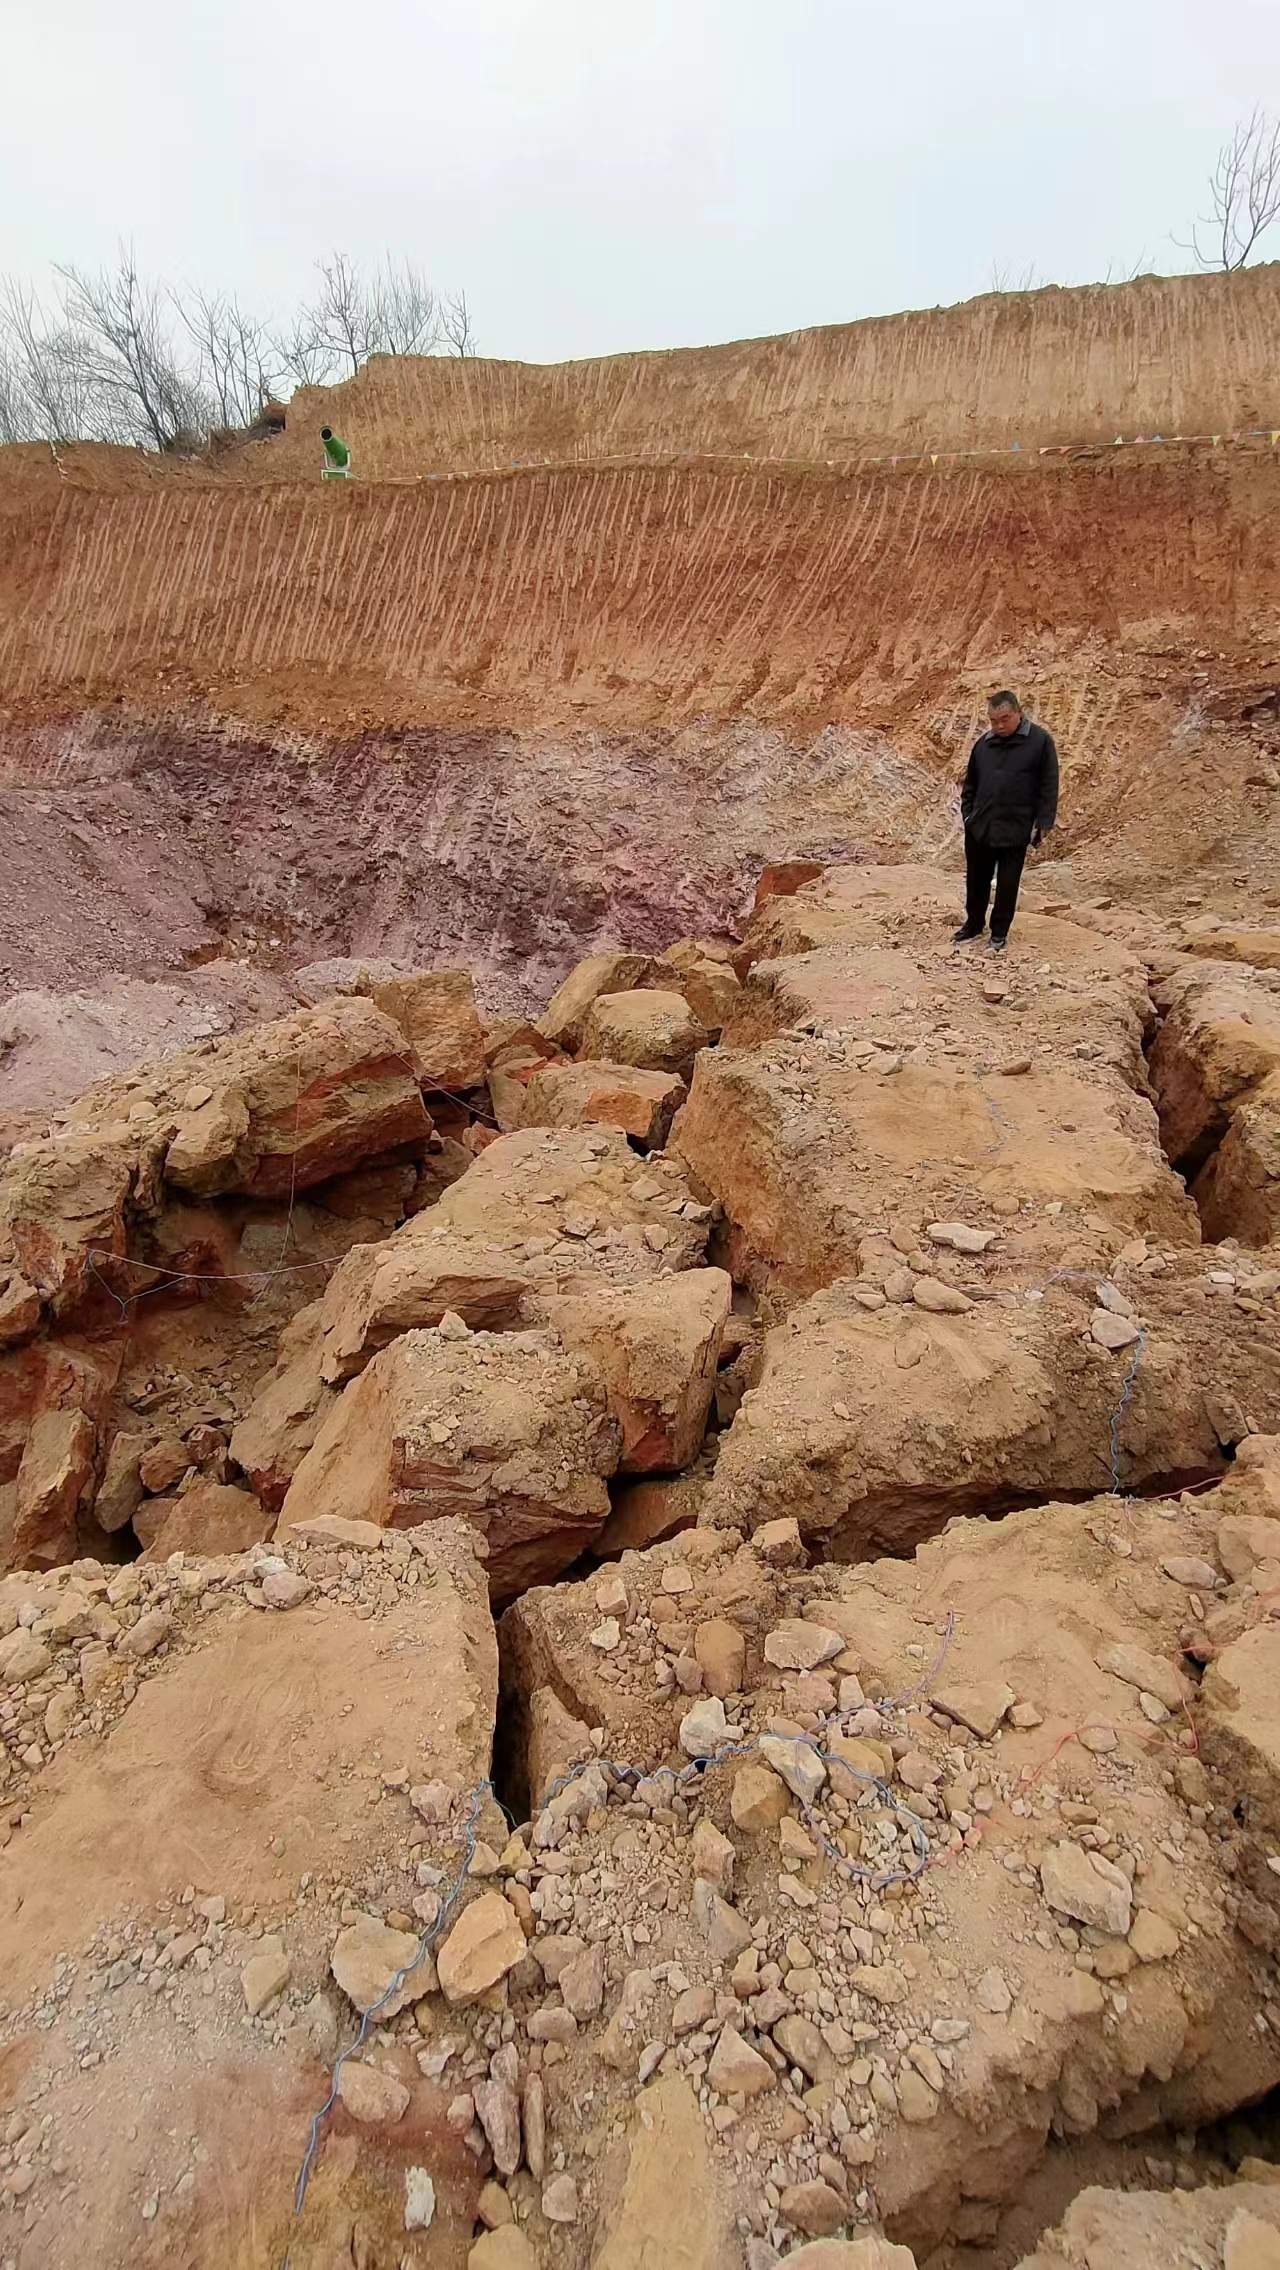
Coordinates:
<point>132,356</point>
<point>118,358</point>
<point>1244,194</point>
<point>239,364</point>
<point>455,325</point>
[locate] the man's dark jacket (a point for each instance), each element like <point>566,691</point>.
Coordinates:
<point>1011,787</point>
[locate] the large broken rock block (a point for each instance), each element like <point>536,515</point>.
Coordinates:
<point>1090,1004</point>
<point>211,1518</point>
<point>1238,2225</point>
<point>508,1431</point>
<point>708,981</point>
<point>805,1149</point>
<point>1219,1040</point>
<point>651,1028</point>
<point>64,1209</point>
<point>152,1805</point>
<point>52,1375</point>
<point>610,971</point>
<point>906,906</point>
<point>578,1204</point>
<point>435,1010</point>
<point>411,1281</point>
<point>278,1429</point>
<point>1234,942</point>
<point>54,1482</point>
<point>873,1429</point>
<point>668,2212</point>
<point>642,1103</point>
<point>656,1346</point>
<point>1238,1189</point>
<point>271,1111</point>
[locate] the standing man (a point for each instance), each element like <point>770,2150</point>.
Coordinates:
<point>337,456</point>
<point>1008,802</point>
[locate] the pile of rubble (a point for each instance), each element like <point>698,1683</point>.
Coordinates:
<point>739,1895</point>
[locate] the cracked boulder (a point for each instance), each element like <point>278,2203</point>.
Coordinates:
<point>651,1028</point>
<point>509,1432</point>
<point>410,1281</point>
<point>871,1429</point>
<point>656,1345</point>
<point>641,1102</point>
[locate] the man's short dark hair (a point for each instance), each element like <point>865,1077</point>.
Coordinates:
<point>326,433</point>
<point>1004,700</point>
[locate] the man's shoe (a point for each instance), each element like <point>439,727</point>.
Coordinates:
<point>997,945</point>
<point>962,936</point>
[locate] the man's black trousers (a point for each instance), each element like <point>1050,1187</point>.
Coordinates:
<point>983,865</point>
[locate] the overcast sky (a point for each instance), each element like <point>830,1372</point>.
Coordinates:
<point>606,174</point>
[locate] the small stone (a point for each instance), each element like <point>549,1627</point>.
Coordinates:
<point>1137,1667</point>
<point>1087,1887</point>
<point>505,2248</point>
<point>704,1729</point>
<point>800,1646</point>
<point>720,1650</point>
<point>265,1975</point>
<point>736,2069</point>
<point>1113,1332</point>
<point>779,1543</point>
<point>560,2200</point>
<point>485,1943</point>
<point>801,2044</point>
<point>992,1993</point>
<point>606,1636</point>
<point>916,2100</point>
<point>582,1983</point>
<point>144,1637</point>
<point>419,2199</point>
<point>960,1237</point>
<point>1196,1575</point>
<point>1151,1938</point>
<point>368,1956</point>
<point>979,1704</point>
<point>758,1801</point>
<point>939,1299</point>
<point>798,1764</point>
<point>284,1588</point>
<point>370,2095</point>
<point>881,1983</point>
<point>693,2009</point>
<point>725,1931</point>
<point>713,1856</point>
<point>493,2207</point>
<point>814,2208</point>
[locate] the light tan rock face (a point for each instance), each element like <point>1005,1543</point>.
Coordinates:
<point>210,1518</point>
<point>579,1205</point>
<point>409,1281</point>
<point>288,1412</point>
<point>611,971</point>
<point>54,1481</point>
<point>641,1102</point>
<point>485,1943</point>
<point>434,1009</point>
<point>508,1430</point>
<point>669,2211</point>
<point>872,1427</point>
<point>1238,2226</point>
<point>651,1028</point>
<point>145,1816</point>
<point>656,1346</point>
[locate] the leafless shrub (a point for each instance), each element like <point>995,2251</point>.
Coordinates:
<point>1244,196</point>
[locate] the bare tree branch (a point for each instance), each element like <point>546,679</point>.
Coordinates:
<point>1244,195</point>
<point>133,358</point>
<point>455,325</point>
<point>240,364</point>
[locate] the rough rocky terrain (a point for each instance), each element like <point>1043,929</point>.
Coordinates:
<point>640,1505</point>
<point>453,1690</point>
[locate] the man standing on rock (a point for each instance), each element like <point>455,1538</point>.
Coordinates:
<point>1008,802</point>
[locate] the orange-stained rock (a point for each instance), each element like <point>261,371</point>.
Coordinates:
<point>782,878</point>
<point>509,1430</point>
<point>656,1346</point>
<point>641,1102</point>
<point>54,1481</point>
<point>411,1281</point>
<point>286,1415</point>
<point>610,971</point>
<point>210,1518</point>
<point>651,1028</point>
<point>646,1512</point>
